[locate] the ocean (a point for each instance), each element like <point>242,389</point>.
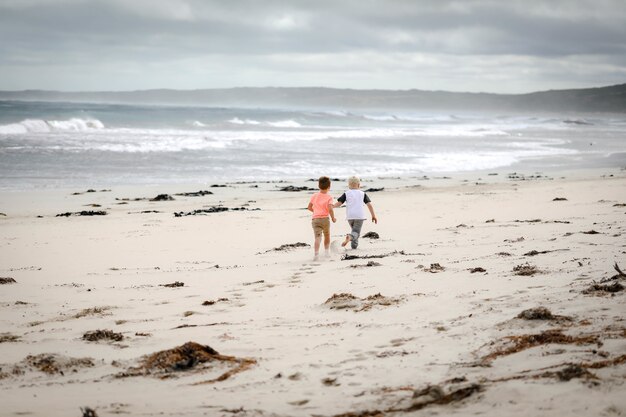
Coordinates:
<point>48,145</point>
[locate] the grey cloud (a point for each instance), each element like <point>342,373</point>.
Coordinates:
<point>335,38</point>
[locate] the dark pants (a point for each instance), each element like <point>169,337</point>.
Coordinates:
<point>356,231</point>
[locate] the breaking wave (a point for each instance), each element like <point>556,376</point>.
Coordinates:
<point>44,126</point>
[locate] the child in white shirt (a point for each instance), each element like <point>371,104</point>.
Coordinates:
<point>355,200</point>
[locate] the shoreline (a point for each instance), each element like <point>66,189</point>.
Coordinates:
<point>405,334</point>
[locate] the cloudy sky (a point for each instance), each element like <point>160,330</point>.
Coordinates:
<point>466,45</point>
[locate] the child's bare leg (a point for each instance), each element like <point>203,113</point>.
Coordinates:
<point>346,240</point>
<point>327,241</point>
<point>316,247</point>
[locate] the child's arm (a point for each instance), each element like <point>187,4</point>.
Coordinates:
<point>331,212</point>
<point>310,208</point>
<point>340,201</point>
<point>371,209</point>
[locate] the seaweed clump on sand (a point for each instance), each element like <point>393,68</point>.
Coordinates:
<point>289,246</point>
<point>601,289</point>
<point>435,268</point>
<point>97,335</point>
<point>174,284</point>
<point>7,280</point>
<point>57,364</point>
<point>190,357</point>
<point>526,270</point>
<point>367,265</point>
<point>345,301</point>
<point>83,213</point>
<point>8,337</point>
<point>163,197</point>
<point>428,396</point>
<point>371,235</point>
<point>573,371</point>
<point>293,188</point>
<point>541,313</point>
<point>514,344</point>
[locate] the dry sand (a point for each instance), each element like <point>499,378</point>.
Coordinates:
<point>404,329</point>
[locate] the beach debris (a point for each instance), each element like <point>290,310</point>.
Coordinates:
<point>435,268</point>
<point>200,193</point>
<point>211,210</point>
<point>535,252</point>
<point>477,269</point>
<point>93,205</point>
<point>528,221</point>
<point>526,270</point>
<point>503,254</point>
<point>293,188</point>
<point>261,281</point>
<point>330,382</point>
<point>88,412</point>
<point>189,357</point>
<point>7,280</point>
<point>591,232</point>
<point>8,337</point>
<point>3,214</point>
<point>371,235</point>
<point>346,301</point>
<point>515,344</point>
<point>367,265</point>
<point>347,257</point>
<point>559,199</point>
<point>57,364</point>
<point>91,190</point>
<point>600,289</point>
<point>298,402</point>
<point>374,190</point>
<point>541,313</point>
<point>91,311</point>
<point>289,246</point>
<point>211,302</point>
<point>422,398</point>
<point>490,221</point>
<point>574,371</point>
<point>619,205</point>
<point>83,213</point>
<point>537,313</point>
<point>174,284</point>
<point>519,239</point>
<point>218,185</point>
<point>97,335</point>
<point>435,395</point>
<point>620,274</point>
<point>163,197</point>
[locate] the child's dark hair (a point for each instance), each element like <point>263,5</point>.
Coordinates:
<point>324,183</point>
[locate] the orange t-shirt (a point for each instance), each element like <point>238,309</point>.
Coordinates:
<point>320,203</point>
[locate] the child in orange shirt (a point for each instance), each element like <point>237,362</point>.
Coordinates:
<point>321,204</point>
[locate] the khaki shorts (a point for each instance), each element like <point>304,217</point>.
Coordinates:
<point>321,225</point>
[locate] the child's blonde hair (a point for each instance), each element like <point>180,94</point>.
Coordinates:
<point>354,182</point>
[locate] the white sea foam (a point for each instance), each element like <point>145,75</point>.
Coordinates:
<point>238,121</point>
<point>285,123</point>
<point>43,126</point>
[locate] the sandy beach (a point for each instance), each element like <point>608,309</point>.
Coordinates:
<point>482,295</point>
